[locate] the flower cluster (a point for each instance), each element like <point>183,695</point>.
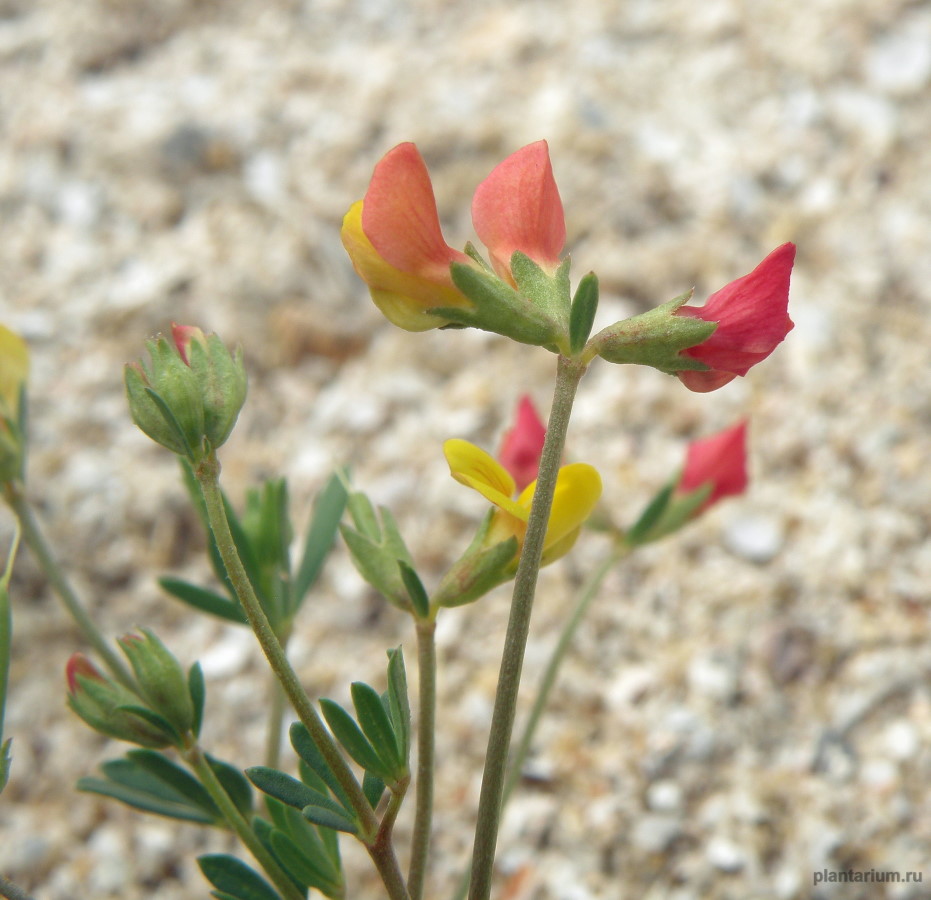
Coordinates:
<point>418,281</point>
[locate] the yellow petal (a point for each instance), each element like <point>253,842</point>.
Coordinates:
<point>473,467</point>
<point>578,488</point>
<point>402,297</point>
<point>14,370</point>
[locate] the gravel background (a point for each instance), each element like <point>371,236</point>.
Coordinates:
<point>748,703</point>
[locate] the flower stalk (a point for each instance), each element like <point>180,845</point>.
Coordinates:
<point>568,374</point>
<point>426,747</point>
<point>196,759</point>
<point>16,499</point>
<point>208,476</point>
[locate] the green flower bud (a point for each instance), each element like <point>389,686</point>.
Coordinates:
<point>112,709</point>
<point>161,678</point>
<point>655,338</point>
<point>189,397</point>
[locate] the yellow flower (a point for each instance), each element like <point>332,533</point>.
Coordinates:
<point>578,488</point>
<point>14,370</point>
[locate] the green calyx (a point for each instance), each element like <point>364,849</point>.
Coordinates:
<point>187,408</point>
<point>536,312</point>
<point>480,569</point>
<point>655,338</point>
<point>161,679</point>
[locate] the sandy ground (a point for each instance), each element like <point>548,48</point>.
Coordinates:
<point>748,704</point>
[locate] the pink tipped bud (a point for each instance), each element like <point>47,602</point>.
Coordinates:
<point>183,335</point>
<point>79,665</point>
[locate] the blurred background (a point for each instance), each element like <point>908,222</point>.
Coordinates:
<point>748,702</point>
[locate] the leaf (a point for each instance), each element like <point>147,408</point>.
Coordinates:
<point>376,726</point>
<point>198,692</point>
<point>582,316</point>
<point>415,590</point>
<point>282,786</point>
<point>373,788</point>
<point>313,759</point>
<point>292,792</point>
<point>204,600</point>
<point>327,818</point>
<point>144,799</point>
<point>321,533</point>
<point>347,732</point>
<point>310,869</point>
<point>171,775</point>
<point>398,702</point>
<point>233,878</point>
<point>234,783</point>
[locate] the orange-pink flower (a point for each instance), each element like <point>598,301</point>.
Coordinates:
<point>396,245</point>
<point>752,318</point>
<point>517,208</point>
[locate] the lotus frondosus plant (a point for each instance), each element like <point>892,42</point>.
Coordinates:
<point>354,767</point>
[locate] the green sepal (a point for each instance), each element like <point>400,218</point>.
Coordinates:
<point>473,254</point>
<point>582,317</point>
<point>377,549</point>
<point>234,879</point>
<point>204,600</point>
<point>376,726</point>
<point>355,743</point>
<point>154,719</point>
<point>655,338</point>
<point>476,573</point>
<point>420,602</point>
<point>399,707</point>
<point>549,293</point>
<point>638,533</point>
<point>324,523</point>
<point>198,691</point>
<point>497,307</point>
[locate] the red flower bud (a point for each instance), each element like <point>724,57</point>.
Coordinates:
<point>752,318</point>
<point>719,460</point>
<point>523,444</point>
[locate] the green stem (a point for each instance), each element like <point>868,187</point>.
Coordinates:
<point>11,891</point>
<point>32,535</point>
<point>6,637</point>
<point>208,475</point>
<point>275,722</point>
<point>426,746</point>
<point>519,755</point>
<point>568,374</point>
<point>237,821</point>
<point>587,595</point>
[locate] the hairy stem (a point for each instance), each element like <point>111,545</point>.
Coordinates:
<point>426,743</point>
<point>16,498</point>
<point>208,476</point>
<point>11,891</point>
<point>587,595</point>
<point>237,822</point>
<point>568,374</point>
